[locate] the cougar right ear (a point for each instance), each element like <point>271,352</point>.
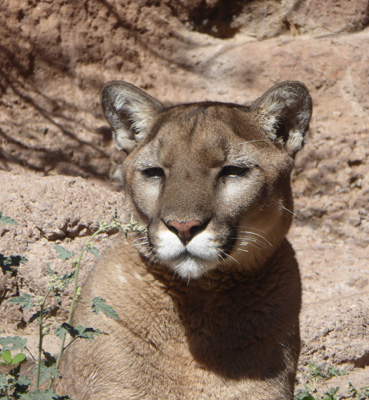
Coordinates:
<point>284,112</point>
<point>129,111</point>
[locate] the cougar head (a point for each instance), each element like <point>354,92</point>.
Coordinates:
<point>210,181</point>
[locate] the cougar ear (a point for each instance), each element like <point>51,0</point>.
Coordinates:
<point>129,111</point>
<point>284,112</point>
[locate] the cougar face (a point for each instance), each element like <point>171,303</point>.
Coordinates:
<point>210,181</point>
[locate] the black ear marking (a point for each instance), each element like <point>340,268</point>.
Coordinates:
<point>129,111</point>
<point>284,112</point>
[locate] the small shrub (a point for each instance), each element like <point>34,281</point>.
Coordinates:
<point>13,385</point>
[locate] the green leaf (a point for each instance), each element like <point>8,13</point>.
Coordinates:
<point>99,304</point>
<point>19,358</point>
<point>77,331</point>
<point>13,383</point>
<point>94,250</point>
<point>23,383</point>
<point>62,330</point>
<point>88,333</point>
<point>24,301</point>
<point>6,220</point>
<point>12,261</point>
<point>3,383</point>
<point>12,343</point>
<point>305,395</point>
<point>24,380</point>
<point>67,278</point>
<point>63,253</point>
<point>331,394</point>
<point>333,371</point>
<point>47,373</point>
<point>6,263</point>
<point>7,356</point>
<point>49,270</point>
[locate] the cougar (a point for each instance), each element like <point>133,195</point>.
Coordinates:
<point>208,293</point>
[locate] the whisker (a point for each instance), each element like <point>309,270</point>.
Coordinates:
<point>143,247</point>
<point>258,235</point>
<point>254,245</point>
<point>243,250</point>
<point>256,229</point>
<point>249,240</point>
<point>140,239</point>
<point>229,256</point>
<point>292,213</point>
<point>152,256</point>
<point>298,217</point>
<point>221,257</point>
<point>252,239</point>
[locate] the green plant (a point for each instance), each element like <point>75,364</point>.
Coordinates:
<point>13,385</point>
<point>316,374</point>
<point>359,394</point>
<point>330,395</point>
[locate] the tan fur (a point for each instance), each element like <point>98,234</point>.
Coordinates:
<point>209,296</point>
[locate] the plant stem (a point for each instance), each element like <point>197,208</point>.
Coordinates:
<point>41,338</point>
<point>75,291</point>
<point>29,351</point>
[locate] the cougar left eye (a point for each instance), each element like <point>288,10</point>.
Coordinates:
<point>154,172</point>
<point>232,170</point>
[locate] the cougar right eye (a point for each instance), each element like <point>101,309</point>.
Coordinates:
<point>233,170</point>
<point>154,172</point>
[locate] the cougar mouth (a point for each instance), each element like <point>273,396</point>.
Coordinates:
<point>189,267</point>
<point>191,260</point>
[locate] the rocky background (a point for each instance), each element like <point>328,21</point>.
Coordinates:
<point>59,170</point>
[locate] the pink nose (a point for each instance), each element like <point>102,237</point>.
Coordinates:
<point>184,230</point>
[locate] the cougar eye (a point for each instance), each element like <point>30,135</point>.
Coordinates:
<point>154,172</point>
<point>233,170</point>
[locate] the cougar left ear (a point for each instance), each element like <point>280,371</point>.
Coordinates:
<point>130,112</point>
<point>284,112</point>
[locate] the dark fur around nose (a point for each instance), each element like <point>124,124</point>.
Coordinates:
<point>186,230</point>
